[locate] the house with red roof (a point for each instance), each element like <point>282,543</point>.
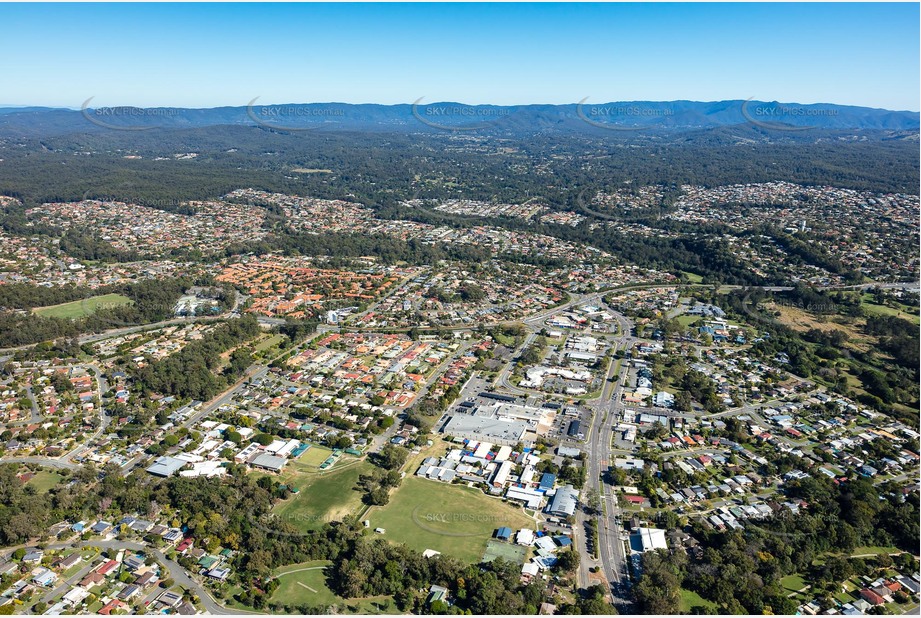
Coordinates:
<point>110,607</point>
<point>871,597</point>
<point>186,544</point>
<point>106,567</point>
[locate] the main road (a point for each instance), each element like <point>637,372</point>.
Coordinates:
<point>610,548</point>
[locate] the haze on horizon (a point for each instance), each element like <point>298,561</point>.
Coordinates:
<point>204,56</point>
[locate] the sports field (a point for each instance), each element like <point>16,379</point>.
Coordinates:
<point>82,308</point>
<point>312,457</point>
<point>322,496</point>
<point>506,551</point>
<point>305,584</point>
<point>452,519</point>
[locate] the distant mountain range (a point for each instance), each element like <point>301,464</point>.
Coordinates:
<point>458,118</point>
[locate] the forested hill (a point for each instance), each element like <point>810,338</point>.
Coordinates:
<point>422,116</point>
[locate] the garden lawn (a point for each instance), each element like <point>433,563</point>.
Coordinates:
<point>452,519</point>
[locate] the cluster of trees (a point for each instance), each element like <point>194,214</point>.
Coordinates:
<point>898,338</point>
<point>373,567</point>
<point>190,373</point>
<point>376,485</point>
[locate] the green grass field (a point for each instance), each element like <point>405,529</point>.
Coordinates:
<point>876,549</point>
<point>686,320</point>
<point>305,583</point>
<point>82,308</point>
<point>906,312</point>
<point>44,480</point>
<point>269,342</point>
<point>323,496</point>
<point>313,457</point>
<point>506,551</point>
<point>793,583</point>
<point>690,599</point>
<point>452,519</point>
<point>692,277</point>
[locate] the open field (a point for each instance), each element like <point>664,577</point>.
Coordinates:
<point>801,321</point>
<point>874,550</point>
<point>452,519</point>
<point>323,496</point>
<point>905,312</point>
<point>793,583</point>
<point>305,584</point>
<point>686,320</point>
<point>268,342</point>
<point>82,308</point>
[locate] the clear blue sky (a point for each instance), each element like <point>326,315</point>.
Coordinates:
<point>207,55</point>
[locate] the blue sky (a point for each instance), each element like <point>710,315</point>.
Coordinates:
<point>208,55</point>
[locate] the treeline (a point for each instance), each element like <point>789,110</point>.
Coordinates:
<point>85,244</point>
<point>713,259</point>
<point>381,169</point>
<point>190,373</point>
<point>815,254</point>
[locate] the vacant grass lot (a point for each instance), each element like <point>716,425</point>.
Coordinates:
<point>44,480</point>
<point>690,599</point>
<point>452,519</point>
<point>793,583</point>
<point>905,312</point>
<point>82,308</point>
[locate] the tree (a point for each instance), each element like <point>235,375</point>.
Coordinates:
<point>567,561</point>
<point>263,438</point>
<point>391,457</point>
